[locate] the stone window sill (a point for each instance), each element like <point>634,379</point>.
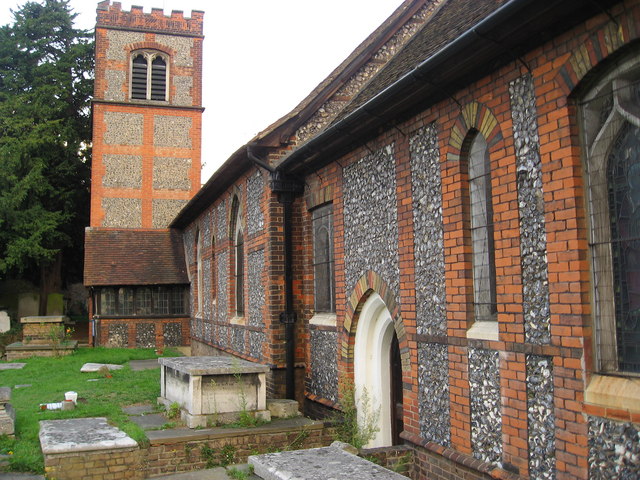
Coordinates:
<point>323,319</point>
<point>484,331</point>
<point>620,393</point>
<point>238,321</point>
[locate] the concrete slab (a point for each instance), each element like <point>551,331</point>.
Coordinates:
<point>326,463</point>
<point>138,409</point>
<point>153,421</point>
<point>12,366</point>
<point>95,367</point>
<point>81,435</point>
<point>137,365</point>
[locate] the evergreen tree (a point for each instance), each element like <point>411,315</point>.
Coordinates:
<point>46,82</point>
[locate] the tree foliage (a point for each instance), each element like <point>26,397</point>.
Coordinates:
<point>46,70</point>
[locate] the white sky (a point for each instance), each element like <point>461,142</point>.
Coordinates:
<point>261,57</point>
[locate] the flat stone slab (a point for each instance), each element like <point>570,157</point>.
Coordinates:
<point>81,435</point>
<point>45,319</point>
<point>326,463</point>
<point>138,409</point>
<point>138,365</point>
<point>218,473</point>
<point>95,367</point>
<point>212,365</point>
<point>12,366</point>
<point>153,421</point>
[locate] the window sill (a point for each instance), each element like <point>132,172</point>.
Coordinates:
<point>484,331</point>
<point>238,321</point>
<point>323,319</point>
<point>620,393</point>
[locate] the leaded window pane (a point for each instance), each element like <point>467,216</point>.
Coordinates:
<point>484,288</point>
<point>323,263</point>
<point>624,217</point>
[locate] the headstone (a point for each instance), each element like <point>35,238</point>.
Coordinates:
<point>28,304</point>
<point>5,321</point>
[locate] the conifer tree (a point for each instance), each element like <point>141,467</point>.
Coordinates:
<point>46,82</point>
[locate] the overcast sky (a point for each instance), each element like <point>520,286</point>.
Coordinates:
<point>261,57</point>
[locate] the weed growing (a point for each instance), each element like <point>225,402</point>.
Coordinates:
<point>238,474</point>
<point>356,424</point>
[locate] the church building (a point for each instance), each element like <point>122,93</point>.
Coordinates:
<point>449,222</point>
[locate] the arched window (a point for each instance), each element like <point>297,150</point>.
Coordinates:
<point>149,75</point>
<point>481,213</point>
<point>610,115</point>
<point>238,250</point>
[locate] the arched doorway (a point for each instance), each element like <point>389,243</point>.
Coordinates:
<point>378,371</point>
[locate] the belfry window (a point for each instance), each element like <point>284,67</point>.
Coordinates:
<point>610,115</point>
<point>149,76</point>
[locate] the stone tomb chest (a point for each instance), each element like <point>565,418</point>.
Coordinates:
<point>213,390</point>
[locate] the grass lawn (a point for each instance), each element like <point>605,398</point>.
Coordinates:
<point>50,378</point>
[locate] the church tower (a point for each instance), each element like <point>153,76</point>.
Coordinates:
<point>147,114</point>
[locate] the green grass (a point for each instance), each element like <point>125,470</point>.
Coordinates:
<point>52,377</point>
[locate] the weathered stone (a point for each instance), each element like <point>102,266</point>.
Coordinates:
<point>283,408</point>
<point>541,418</point>
<point>323,380</point>
<point>122,171</point>
<point>81,435</point>
<point>326,463</point>
<point>172,131</point>
<point>213,388</point>
<point>533,239</point>
<point>255,194</point>
<point>12,366</point>
<point>123,128</point>
<point>172,333</point>
<point>370,219</point>
<point>5,321</point>
<point>429,232</point>
<point>486,409</point>
<point>122,212</point>
<point>171,173</point>
<point>95,367</point>
<point>433,388</point>
<point>165,210</point>
<point>257,295</point>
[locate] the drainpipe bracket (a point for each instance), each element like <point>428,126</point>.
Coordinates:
<point>288,318</point>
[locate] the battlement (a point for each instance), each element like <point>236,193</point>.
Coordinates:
<point>111,15</point>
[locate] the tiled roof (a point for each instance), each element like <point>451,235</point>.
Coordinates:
<point>134,257</point>
<point>452,19</point>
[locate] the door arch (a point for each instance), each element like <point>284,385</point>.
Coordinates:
<point>373,370</point>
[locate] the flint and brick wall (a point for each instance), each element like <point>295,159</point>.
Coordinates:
<point>513,407</point>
